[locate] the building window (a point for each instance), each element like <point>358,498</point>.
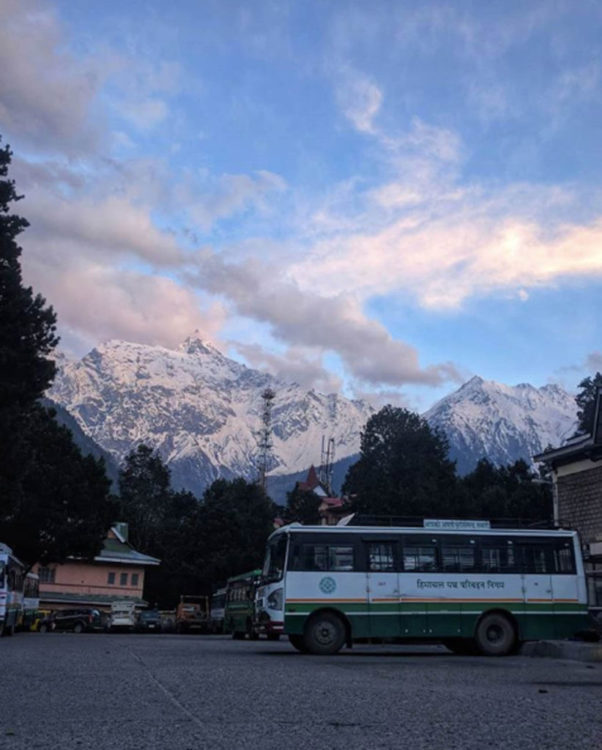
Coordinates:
<point>47,574</point>
<point>134,579</point>
<point>111,578</point>
<point>123,579</point>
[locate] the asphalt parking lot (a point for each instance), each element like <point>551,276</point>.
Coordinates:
<point>188,692</point>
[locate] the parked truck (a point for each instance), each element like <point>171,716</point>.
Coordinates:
<point>192,614</point>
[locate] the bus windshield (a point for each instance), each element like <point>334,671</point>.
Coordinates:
<point>2,566</point>
<point>275,558</point>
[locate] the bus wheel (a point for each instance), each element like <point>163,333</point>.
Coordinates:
<point>495,635</point>
<point>237,635</point>
<point>324,634</point>
<point>43,628</point>
<point>273,636</point>
<point>298,641</point>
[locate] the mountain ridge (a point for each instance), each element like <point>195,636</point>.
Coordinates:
<point>202,412</point>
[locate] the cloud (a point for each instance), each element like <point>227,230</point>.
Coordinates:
<point>334,323</point>
<point>96,303</point>
<point>360,100</point>
<point>594,362</point>
<point>112,226</point>
<point>296,365</point>
<point>463,253</point>
<point>227,195</point>
<point>46,95</point>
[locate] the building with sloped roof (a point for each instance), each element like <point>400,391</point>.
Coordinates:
<point>116,573</point>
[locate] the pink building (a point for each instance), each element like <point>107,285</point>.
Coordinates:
<point>117,572</point>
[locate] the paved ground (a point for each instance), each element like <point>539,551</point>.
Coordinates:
<point>183,692</point>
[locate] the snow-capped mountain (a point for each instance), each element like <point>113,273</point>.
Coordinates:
<point>501,422</point>
<point>201,411</point>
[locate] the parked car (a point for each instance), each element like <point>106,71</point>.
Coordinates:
<point>123,616</point>
<point>77,620</point>
<point>149,621</point>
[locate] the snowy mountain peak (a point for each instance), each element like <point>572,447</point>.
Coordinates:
<point>195,344</point>
<point>200,410</point>
<point>502,422</point>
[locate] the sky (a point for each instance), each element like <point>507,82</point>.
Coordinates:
<point>378,198</point>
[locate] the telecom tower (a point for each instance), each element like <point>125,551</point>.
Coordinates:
<point>326,464</point>
<point>265,436</point>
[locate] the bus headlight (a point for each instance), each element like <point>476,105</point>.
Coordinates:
<point>274,600</point>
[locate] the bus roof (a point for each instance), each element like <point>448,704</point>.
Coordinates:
<point>380,530</point>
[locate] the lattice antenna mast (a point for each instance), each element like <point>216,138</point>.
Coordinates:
<point>327,463</point>
<point>265,436</point>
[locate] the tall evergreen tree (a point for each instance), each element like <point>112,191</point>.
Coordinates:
<point>53,502</point>
<point>586,402</point>
<point>403,468</point>
<point>236,518</point>
<point>302,505</point>
<point>27,328</point>
<point>62,505</point>
<point>145,496</point>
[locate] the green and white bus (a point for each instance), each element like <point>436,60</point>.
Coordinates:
<point>239,610</point>
<point>462,583</point>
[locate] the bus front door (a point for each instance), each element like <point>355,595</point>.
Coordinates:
<point>382,587</point>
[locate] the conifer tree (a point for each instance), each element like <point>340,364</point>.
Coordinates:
<point>586,402</point>
<point>403,468</point>
<point>53,501</point>
<point>27,326</point>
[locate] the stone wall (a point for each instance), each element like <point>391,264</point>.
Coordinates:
<point>580,502</point>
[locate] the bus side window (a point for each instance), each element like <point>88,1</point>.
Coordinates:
<point>327,557</point>
<point>420,555</point>
<point>564,559</point>
<point>535,558</point>
<point>499,556</point>
<point>381,556</point>
<point>458,556</point>
<point>340,558</point>
<point>314,557</point>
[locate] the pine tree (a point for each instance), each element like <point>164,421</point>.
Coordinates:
<point>302,506</point>
<point>27,328</point>
<point>403,468</point>
<point>145,492</point>
<point>53,501</point>
<point>586,399</point>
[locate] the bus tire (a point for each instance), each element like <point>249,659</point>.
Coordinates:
<point>273,636</point>
<point>324,634</point>
<point>298,642</point>
<point>43,628</point>
<point>78,628</point>
<point>495,635</point>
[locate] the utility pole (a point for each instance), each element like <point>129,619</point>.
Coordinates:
<point>265,436</point>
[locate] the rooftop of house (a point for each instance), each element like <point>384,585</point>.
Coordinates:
<point>116,548</point>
